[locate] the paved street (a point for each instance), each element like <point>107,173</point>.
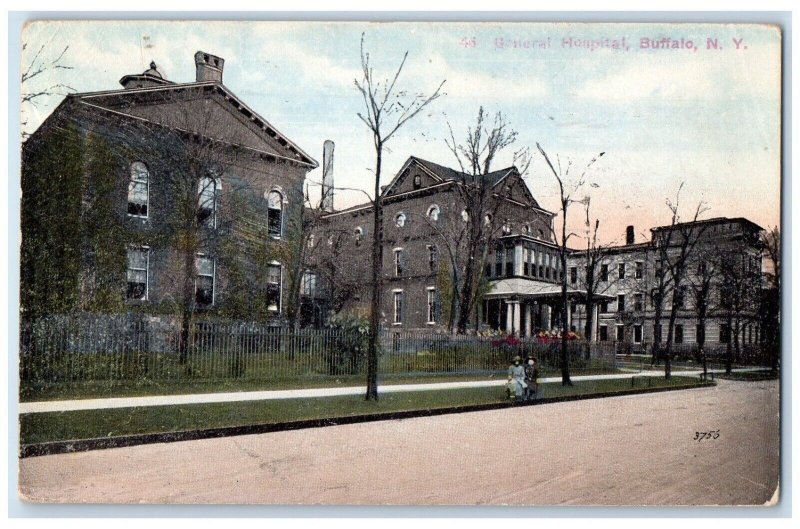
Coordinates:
<point>631,450</point>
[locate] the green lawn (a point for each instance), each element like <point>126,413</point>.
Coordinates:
<point>44,427</point>
<point>105,389</point>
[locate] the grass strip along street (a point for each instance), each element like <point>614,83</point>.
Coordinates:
<point>141,388</point>
<point>38,428</point>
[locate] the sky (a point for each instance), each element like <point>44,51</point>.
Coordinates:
<point>691,104</point>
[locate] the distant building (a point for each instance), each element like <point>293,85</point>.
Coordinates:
<point>726,260</point>
<point>424,220</point>
<point>131,197</point>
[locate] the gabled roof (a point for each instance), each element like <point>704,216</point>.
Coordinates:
<point>122,102</point>
<point>446,174</point>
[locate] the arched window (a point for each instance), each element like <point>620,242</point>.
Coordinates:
<point>358,234</point>
<point>207,202</point>
<point>275,214</point>
<point>487,220</point>
<point>400,220</point>
<point>433,213</point>
<point>527,228</point>
<point>465,216</point>
<point>139,190</point>
<point>506,229</point>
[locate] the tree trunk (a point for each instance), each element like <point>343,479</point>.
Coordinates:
<point>466,297</point>
<point>186,310</point>
<point>565,379</point>
<point>728,347</point>
<point>377,276</point>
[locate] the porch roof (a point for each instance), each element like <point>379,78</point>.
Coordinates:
<point>530,289</point>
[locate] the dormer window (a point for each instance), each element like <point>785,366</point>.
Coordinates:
<point>138,190</point>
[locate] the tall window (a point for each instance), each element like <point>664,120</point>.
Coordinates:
<point>724,333</point>
<point>526,267</point>
<point>639,273</point>
<point>309,285</point>
<point>138,264</point>
<point>621,268</point>
<point>499,254</point>
<point>620,302</point>
<point>398,262</point>
<point>207,203</point>
<point>679,334</point>
<point>603,330</point>
<point>433,213</point>
<point>680,294</point>
<point>139,190</point>
<point>433,257</point>
<point>398,306</point>
<point>604,272</point>
<point>204,283</point>
<point>274,287</point>
<point>638,301</point>
<point>275,214</point>
<point>573,275</point>
<point>620,333</point>
<point>509,262</point>
<point>637,334</point>
<point>432,305</point>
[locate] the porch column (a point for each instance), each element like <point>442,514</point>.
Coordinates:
<point>548,317</point>
<point>516,312</point>
<point>509,317</point>
<point>528,330</point>
<point>595,324</point>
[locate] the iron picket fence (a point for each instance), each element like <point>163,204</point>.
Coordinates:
<point>117,349</point>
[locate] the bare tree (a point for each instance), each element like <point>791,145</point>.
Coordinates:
<point>676,246</point>
<point>32,91</point>
<point>591,280</point>
<point>386,109</point>
<point>482,200</point>
<point>566,192</point>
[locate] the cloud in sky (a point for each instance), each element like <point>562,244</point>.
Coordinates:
<point>709,117</point>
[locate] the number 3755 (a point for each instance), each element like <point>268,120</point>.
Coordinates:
<point>699,436</point>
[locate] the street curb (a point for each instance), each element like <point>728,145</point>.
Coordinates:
<point>103,443</point>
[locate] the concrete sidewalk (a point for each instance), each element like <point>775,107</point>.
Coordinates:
<point>242,396</point>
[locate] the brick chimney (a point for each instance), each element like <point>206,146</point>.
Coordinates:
<point>629,235</point>
<point>209,67</point>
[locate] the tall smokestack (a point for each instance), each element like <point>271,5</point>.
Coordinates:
<point>629,236</point>
<point>327,176</point>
